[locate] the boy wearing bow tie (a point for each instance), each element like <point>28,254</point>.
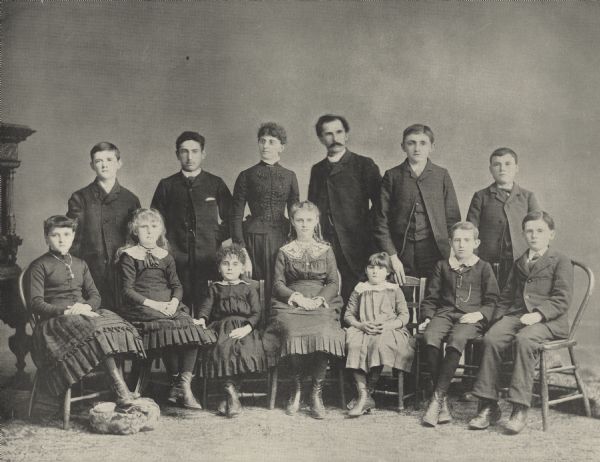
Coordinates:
<point>498,211</point>
<point>532,309</point>
<point>195,205</point>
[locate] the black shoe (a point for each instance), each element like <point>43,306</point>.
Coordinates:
<point>489,414</point>
<point>518,419</point>
<point>317,410</point>
<point>234,407</point>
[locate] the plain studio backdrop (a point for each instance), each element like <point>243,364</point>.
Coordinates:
<point>482,75</point>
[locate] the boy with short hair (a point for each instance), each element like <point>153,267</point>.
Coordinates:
<point>459,304</point>
<point>498,211</point>
<point>103,210</point>
<point>195,205</point>
<point>532,309</point>
<point>418,208</point>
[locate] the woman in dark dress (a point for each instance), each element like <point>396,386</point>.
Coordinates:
<point>151,301</point>
<point>72,336</point>
<point>306,307</point>
<point>233,310</point>
<point>267,188</point>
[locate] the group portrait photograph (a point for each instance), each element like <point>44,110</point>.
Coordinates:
<point>299,230</point>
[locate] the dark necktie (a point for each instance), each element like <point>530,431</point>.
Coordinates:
<point>534,258</point>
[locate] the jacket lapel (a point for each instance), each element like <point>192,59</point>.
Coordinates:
<point>340,164</point>
<point>521,264</point>
<point>543,262</point>
<point>515,192</point>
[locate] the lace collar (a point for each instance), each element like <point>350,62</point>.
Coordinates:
<point>368,287</point>
<point>296,250</point>
<point>455,264</point>
<point>139,253</point>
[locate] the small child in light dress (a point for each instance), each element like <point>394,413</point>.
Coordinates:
<point>376,315</point>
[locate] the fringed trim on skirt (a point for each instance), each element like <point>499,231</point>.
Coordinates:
<point>84,357</point>
<point>160,334</point>
<point>235,366</point>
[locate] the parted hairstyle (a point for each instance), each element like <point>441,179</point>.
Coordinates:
<point>465,225</point>
<point>272,129</point>
<point>105,146</point>
<point>325,119</point>
<point>539,215</point>
<point>306,205</point>
<point>416,129</point>
<point>233,250</point>
<point>503,152</point>
<point>190,136</point>
<point>59,221</point>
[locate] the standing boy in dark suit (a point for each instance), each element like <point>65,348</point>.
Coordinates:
<point>195,205</point>
<point>532,309</point>
<point>103,210</point>
<point>345,187</point>
<point>418,208</point>
<point>498,211</point>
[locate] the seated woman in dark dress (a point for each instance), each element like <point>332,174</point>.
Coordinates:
<point>233,310</point>
<point>306,307</point>
<point>72,336</point>
<point>151,301</point>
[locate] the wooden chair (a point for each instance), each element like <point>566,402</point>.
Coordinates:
<point>579,391</point>
<point>260,287</point>
<point>339,367</point>
<point>416,288</point>
<point>68,399</point>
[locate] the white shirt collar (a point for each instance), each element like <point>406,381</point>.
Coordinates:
<point>231,283</point>
<point>337,157</point>
<point>193,174</point>
<point>455,264</point>
<point>540,253</point>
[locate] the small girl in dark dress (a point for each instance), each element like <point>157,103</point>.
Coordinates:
<point>233,310</point>
<point>151,301</point>
<point>72,336</point>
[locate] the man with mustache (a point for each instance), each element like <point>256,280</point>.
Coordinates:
<point>345,186</point>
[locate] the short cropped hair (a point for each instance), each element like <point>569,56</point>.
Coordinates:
<point>418,128</point>
<point>233,250</point>
<point>59,221</point>
<point>187,136</point>
<point>381,259</point>
<point>503,152</point>
<point>105,146</point>
<point>539,215</point>
<point>467,226</point>
<point>325,119</point>
<point>274,130</point>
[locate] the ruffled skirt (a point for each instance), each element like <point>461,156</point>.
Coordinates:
<point>392,348</point>
<point>67,348</point>
<point>234,356</point>
<point>293,330</point>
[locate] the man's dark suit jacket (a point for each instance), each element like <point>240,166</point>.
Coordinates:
<point>547,288</point>
<point>439,198</point>
<point>352,182</point>
<point>490,213</point>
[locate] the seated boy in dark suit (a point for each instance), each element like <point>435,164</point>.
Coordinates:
<point>460,301</point>
<point>498,211</point>
<point>532,309</point>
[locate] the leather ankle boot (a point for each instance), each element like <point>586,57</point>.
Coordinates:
<point>432,413</point>
<point>445,416</point>
<point>317,410</point>
<point>186,397</point>
<point>174,391</point>
<point>293,404</point>
<point>234,407</point>
<point>361,405</point>
<point>488,413</point>
<point>518,419</point>
<point>124,397</point>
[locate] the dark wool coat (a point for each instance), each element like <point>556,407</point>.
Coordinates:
<point>490,213</point>
<point>547,288</point>
<point>349,186</point>
<point>393,216</point>
<point>102,229</point>
<point>211,204</point>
